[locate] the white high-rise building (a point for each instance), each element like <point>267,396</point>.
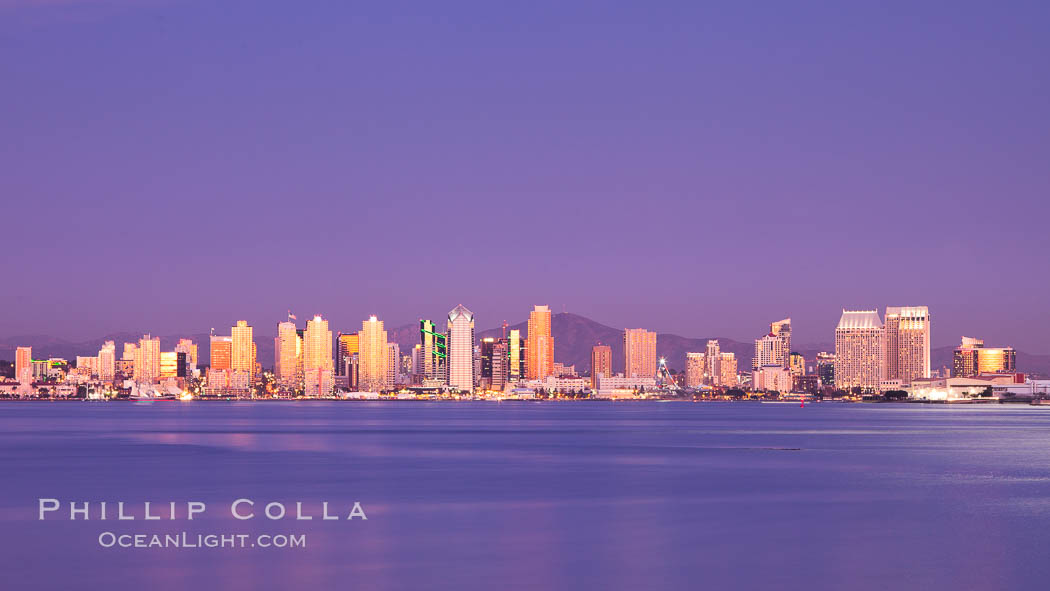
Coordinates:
<point>393,365</point>
<point>859,353</point>
<point>774,347</point>
<point>461,349</point>
<point>107,361</point>
<point>317,358</point>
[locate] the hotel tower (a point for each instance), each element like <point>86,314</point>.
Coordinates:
<point>859,352</point>
<point>907,343</point>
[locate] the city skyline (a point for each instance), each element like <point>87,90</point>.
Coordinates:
<point>721,139</point>
<point>874,355</point>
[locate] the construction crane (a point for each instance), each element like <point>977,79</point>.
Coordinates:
<point>664,375</point>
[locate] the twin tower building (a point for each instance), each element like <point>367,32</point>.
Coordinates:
<point>872,353</point>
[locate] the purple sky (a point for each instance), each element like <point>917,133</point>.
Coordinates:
<point>687,167</point>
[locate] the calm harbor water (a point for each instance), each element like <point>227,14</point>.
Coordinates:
<point>533,496</point>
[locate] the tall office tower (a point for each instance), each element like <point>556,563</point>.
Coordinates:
<point>461,349</point>
<point>859,352</point>
<point>345,346</point>
<point>417,362</point>
<point>24,364</point>
<point>826,369</point>
<point>435,352</point>
<point>488,346</point>
<point>107,361</point>
<point>713,363</point>
<point>129,352</point>
<point>601,363</point>
<point>393,365</point>
<point>695,369</point>
<point>351,365</point>
<point>288,353</point>
<point>372,356</point>
<point>242,350</point>
<point>517,357</point>
<point>639,352</point>
<point>494,360</point>
<point>169,364</point>
<point>221,349</point>
<point>769,350</point>
<point>147,360</point>
<point>782,330</point>
<point>540,347</point>
<point>500,362</point>
<point>727,370</point>
<point>906,343</point>
<point>188,347</point>
<point>797,364</point>
<point>317,358</point>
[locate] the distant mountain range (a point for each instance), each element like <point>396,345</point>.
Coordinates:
<point>574,335</point>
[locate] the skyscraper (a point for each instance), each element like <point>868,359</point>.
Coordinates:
<point>727,370</point>
<point>639,351</point>
<point>826,369</point>
<point>461,349</point>
<point>147,360</point>
<point>495,357</point>
<point>695,368</point>
<point>345,346</point>
<point>859,352</point>
<point>782,330</point>
<point>434,352</point>
<point>107,361</point>
<point>188,347</point>
<point>288,351</point>
<point>317,358</point>
<point>373,355</point>
<point>774,347</point>
<point>540,347</point>
<point>713,363</point>
<point>907,343</point>
<point>24,364</point>
<point>601,363</point>
<point>517,357</point>
<point>242,348</point>
<point>221,352</point>
<point>393,365</point>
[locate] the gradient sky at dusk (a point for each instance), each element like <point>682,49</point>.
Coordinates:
<point>698,168</point>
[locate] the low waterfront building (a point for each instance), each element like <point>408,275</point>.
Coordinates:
<point>621,382</point>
